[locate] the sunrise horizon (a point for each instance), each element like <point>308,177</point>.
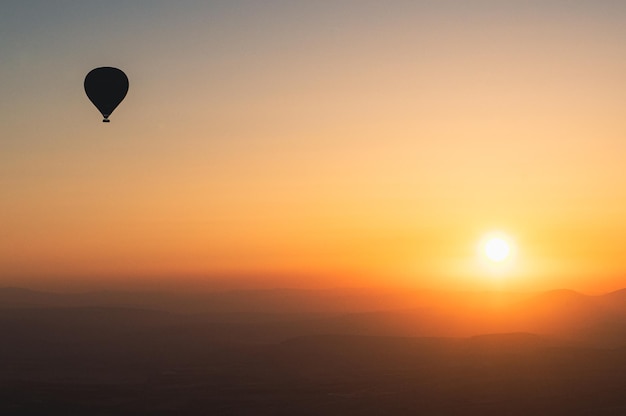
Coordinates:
<point>367,144</point>
<point>354,207</point>
<point>284,281</point>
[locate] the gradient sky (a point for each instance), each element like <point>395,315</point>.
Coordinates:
<point>315,143</point>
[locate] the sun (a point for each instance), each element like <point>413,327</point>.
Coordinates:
<point>496,248</point>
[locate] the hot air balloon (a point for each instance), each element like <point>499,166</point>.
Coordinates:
<point>106,87</point>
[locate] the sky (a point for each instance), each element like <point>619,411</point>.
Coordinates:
<point>315,144</point>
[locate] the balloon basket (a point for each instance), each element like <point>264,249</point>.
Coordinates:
<point>106,120</point>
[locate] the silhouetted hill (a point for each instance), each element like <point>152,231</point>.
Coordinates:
<point>11,297</point>
<point>486,358</point>
<point>617,295</point>
<point>511,342</point>
<point>561,300</point>
<point>272,315</point>
<point>616,300</point>
<point>274,301</point>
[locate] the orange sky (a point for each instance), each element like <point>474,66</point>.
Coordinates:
<point>327,145</point>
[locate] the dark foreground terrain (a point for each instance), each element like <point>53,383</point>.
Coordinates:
<point>110,360</point>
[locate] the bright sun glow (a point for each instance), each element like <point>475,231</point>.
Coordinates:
<point>497,249</point>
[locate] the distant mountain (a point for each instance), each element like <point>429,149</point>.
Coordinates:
<point>327,352</point>
<point>11,297</point>
<point>273,301</point>
<point>617,295</point>
<point>518,341</point>
<point>616,300</point>
<point>562,296</point>
<point>500,342</point>
<point>271,314</point>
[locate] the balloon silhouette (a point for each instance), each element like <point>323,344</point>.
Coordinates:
<point>106,87</point>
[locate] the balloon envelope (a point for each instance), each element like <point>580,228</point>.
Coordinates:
<point>106,87</point>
